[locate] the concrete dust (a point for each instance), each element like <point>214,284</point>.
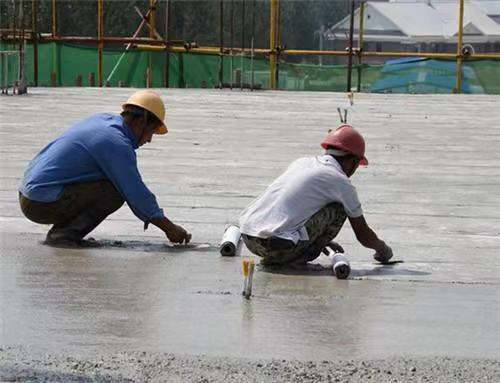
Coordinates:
<point>18,364</point>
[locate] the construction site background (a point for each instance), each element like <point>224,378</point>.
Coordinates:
<point>245,23</point>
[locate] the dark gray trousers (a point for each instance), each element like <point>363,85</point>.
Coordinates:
<point>79,210</point>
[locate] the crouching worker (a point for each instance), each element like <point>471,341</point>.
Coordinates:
<point>303,210</point>
<point>87,173</point>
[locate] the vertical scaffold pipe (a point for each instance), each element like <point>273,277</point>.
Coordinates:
<point>231,37</point>
<point>253,46</point>
<point>273,34</point>
<point>349,58</point>
<point>54,18</point>
<point>458,87</point>
<point>221,43</point>
<point>168,15</point>
<point>55,66</point>
<point>152,35</point>
<point>34,36</point>
<point>360,41</point>
<point>242,42</point>
<point>100,26</point>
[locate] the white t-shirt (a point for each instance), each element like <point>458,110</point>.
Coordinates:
<point>302,190</point>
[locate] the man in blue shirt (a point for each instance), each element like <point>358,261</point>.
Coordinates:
<point>87,173</point>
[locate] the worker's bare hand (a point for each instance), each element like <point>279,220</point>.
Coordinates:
<point>177,234</point>
<point>383,255</point>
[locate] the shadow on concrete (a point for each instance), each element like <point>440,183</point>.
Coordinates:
<point>315,269</point>
<point>145,246</point>
<point>386,270</point>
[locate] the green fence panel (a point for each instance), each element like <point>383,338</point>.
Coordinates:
<point>193,70</point>
<point>488,74</point>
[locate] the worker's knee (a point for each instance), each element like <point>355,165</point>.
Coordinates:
<point>327,222</point>
<point>114,198</point>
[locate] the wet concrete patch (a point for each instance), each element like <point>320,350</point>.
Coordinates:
<point>430,191</point>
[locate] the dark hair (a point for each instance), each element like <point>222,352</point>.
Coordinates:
<point>135,111</point>
<point>346,157</point>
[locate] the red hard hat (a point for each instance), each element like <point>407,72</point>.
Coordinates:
<point>348,139</point>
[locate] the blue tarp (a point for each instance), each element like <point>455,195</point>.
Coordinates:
<point>422,75</point>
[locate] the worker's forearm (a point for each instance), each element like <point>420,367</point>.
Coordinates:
<point>163,223</point>
<point>372,241</point>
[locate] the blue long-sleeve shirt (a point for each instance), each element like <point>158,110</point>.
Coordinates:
<point>100,147</point>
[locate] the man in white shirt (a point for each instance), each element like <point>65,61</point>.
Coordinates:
<point>303,210</point>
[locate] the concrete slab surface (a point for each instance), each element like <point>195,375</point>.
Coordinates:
<point>432,191</point>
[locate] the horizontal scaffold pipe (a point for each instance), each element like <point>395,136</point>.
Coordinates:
<point>453,56</point>
<point>152,44</point>
<point>205,50</point>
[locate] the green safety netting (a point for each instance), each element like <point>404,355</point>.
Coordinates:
<point>192,70</point>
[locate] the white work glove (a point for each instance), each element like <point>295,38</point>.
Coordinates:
<point>384,255</point>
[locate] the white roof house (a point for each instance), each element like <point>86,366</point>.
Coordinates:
<point>423,21</point>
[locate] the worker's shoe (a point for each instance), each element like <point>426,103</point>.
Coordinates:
<point>58,238</point>
<point>71,234</point>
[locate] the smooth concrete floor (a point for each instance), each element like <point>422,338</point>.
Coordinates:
<point>432,191</point>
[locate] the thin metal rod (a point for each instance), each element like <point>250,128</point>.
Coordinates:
<point>34,36</point>
<point>21,86</point>
<point>152,29</point>
<point>221,43</point>
<point>360,41</point>
<point>459,47</point>
<point>278,44</point>
<point>168,15</point>
<point>242,42</point>
<point>273,43</point>
<point>54,18</point>
<point>100,45</point>
<point>349,58</point>
<point>253,46</point>
<point>251,65</point>
<point>231,34</point>
<point>129,45</point>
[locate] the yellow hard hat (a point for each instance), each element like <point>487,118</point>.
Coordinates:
<point>152,102</point>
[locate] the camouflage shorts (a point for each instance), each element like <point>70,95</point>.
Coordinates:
<point>322,228</point>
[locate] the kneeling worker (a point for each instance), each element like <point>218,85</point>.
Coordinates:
<point>87,173</point>
<point>303,210</point>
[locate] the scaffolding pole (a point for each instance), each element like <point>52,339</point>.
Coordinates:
<point>55,49</point>
<point>221,43</point>
<point>360,41</point>
<point>100,45</point>
<point>54,18</point>
<point>168,15</point>
<point>231,37</point>
<point>252,47</point>
<point>349,58</point>
<point>152,22</point>
<point>273,35</point>
<point>34,36</point>
<point>242,42</point>
<point>458,87</point>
